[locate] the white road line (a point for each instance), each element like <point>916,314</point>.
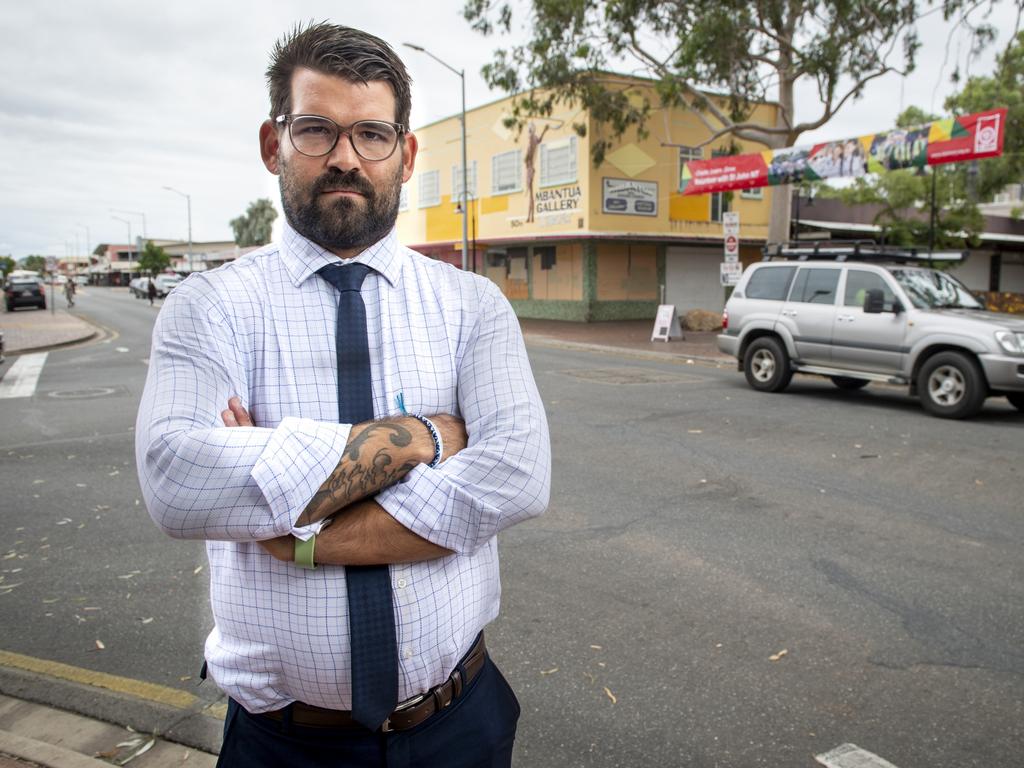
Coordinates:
<point>852,756</point>
<point>21,380</point>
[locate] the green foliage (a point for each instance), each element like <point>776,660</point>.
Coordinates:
<point>750,52</point>
<point>1004,88</point>
<point>34,263</point>
<point>7,265</point>
<point>905,200</point>
<point>912,117</point>
<point>255,225</point>
<point>153,259</point>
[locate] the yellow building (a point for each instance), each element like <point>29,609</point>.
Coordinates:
<point>565,239</point>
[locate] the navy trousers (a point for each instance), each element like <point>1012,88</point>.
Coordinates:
<point>476,731</point>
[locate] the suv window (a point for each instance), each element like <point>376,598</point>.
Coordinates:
<point>815,286</point>
<point>770,283</point>
<point>859,282</point>
<point>931,289</point>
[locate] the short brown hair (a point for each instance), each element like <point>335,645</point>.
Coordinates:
<point>336,50</point>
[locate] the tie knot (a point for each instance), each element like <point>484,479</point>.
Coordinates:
<point>345,277</point>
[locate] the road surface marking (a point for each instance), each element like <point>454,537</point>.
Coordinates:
<point>160,694</point>
<point>852,756</point>
<point>21,380</point>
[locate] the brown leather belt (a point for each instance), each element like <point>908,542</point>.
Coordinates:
<point>408,714</point>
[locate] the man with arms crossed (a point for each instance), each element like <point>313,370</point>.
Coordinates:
<point>319,670</point>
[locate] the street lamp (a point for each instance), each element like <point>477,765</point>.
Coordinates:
<point>88,249</point>
<point>465,171</point>
<point>188,202</point>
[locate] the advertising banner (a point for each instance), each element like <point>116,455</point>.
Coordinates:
<point>952,140</point>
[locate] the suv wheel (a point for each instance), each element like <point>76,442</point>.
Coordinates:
<point>848,382</point>
<point>766,365</point>
<point>1016,400</point>
<point>951,386</point>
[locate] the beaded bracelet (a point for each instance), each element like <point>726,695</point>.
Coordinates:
<point>435,436</point>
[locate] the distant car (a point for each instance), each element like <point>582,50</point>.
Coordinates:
<point>81,280</point>
<point>165,284</point>
<point>59,279</point>
<point>24,292</point>
<point>139,287</point>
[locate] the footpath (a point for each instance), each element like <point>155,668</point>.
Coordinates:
<point>36,734</point>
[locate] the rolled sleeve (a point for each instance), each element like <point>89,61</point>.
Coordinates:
<point>299,456</point>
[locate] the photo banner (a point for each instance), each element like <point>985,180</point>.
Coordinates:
<point>952,140</point>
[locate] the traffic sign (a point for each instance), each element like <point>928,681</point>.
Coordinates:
<point>729,272</point>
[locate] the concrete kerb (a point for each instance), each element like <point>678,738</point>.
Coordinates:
<point>20,342</point>
<point>681,358</point>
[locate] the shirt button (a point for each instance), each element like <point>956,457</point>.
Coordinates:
<point>402,583</point>
<point>408,653</point>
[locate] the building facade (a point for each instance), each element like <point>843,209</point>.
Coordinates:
<point>566,239</point>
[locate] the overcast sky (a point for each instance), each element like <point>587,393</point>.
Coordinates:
<point>103,103</point>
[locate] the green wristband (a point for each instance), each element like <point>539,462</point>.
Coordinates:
<point>304,552</point>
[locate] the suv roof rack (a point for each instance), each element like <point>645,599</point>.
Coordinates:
<point>855,250</point>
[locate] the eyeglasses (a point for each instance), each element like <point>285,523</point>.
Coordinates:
<point>316,136</point>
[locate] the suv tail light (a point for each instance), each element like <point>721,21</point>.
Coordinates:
<point>725,319</point>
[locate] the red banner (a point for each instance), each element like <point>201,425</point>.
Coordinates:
<point>952,140</point>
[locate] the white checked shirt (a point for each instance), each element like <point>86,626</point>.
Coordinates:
<point>263,328</point>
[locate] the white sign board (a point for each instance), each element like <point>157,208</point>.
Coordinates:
<point>51,263</point>
<point>666,324</point>
<point>730,272</point>
<point>731,232</point>
<point>629,197</point>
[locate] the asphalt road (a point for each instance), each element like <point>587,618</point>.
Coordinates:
<point>724,578</point>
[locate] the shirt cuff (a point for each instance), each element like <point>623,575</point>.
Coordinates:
<point>298,458</point>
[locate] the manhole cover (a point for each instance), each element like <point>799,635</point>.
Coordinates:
<point>628,376</point>
<point>82,394</point>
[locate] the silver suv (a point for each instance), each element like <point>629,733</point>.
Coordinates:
<point>862,313</point>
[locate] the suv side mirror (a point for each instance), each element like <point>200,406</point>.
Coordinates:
<point>874,301</point>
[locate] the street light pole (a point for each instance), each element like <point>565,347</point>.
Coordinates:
<point>464,203</point>
<point>188,203</point>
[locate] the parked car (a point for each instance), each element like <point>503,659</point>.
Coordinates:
<point>81,280</point>
<point>24,291</point>
<point>165,284</point>
<point>139,287</point>
<point>859,313</point>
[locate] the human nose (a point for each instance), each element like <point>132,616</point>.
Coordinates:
<point>343,156</point>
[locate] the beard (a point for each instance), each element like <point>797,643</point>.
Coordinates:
<point>343,223</point>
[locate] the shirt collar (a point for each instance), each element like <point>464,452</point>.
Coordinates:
<point>302,257</point>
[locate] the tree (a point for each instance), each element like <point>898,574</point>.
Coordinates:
<point>7,265</point>
<point>752,52</point>
<point>153,259</point>
<point>34,263</point>
<point>1004,88</point>
<point>254,226</point>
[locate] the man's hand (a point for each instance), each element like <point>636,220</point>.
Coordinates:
<point>282,548</point>
<point>235,415</point>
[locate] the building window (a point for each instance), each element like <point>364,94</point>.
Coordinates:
<point>430,189</point>
<point>558,162</point>
<point>547,256</point>
<point>403,199</point>
<point>506,172</point>
<point>719,205</point>
<point>457,182</point>
<point>752,194</point>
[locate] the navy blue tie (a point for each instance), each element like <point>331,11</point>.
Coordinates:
<point>371,618</point>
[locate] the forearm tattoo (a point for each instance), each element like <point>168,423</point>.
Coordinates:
<point>365,468</point>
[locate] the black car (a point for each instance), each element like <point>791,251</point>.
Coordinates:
<point>24,292</point>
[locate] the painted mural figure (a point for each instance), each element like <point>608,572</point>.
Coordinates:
<point>532,142</point>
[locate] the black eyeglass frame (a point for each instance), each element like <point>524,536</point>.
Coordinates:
<point>400,130</point>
